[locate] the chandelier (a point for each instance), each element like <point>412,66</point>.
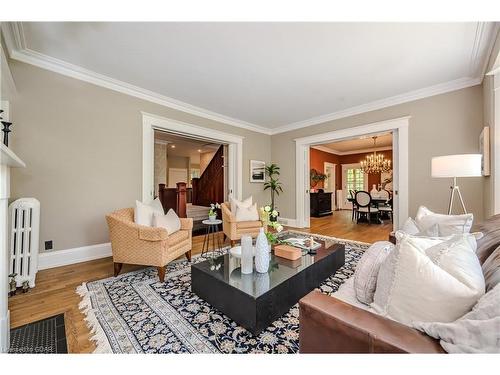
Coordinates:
<point>375,163</point>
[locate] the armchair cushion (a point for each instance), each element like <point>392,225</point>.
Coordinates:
<point>177,237</point>
<point>249,224</point>
<point>152,234</point>
<point>143,213</point>
<point>247,213</point>
<point>234,204</point>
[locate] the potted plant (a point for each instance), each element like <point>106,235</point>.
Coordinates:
<point>212,213</point>
<point>274,185</point>
<point>317,177</point>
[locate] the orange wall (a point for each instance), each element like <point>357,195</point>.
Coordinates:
<point>317,158</point>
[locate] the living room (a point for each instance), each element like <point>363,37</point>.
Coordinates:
<point>237,262</point>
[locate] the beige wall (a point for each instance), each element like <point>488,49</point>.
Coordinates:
<point>488,113</point>
<point>205,159</point>
<point>82,146</point>
<point>439,125</point>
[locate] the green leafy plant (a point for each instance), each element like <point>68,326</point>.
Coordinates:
<point>317,177</point>
<point>273,184</point>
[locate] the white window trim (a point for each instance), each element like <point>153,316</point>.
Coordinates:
<point>150,122</point>
<point>398,125</point>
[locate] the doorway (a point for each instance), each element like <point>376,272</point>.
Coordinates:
<point>399,129</point>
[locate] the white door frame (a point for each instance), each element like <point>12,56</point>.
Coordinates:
<point>150,122</point>
<point>400,184</point>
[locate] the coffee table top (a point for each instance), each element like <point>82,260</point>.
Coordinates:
<point>257,284</point>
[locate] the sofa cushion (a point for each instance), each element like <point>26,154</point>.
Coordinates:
<point>247,213</point>
<point>347,293</point>
<point>491,270</point>
<point>447,225</point>
<point>365,276</point>
<point>413,286</point>
<point>170,221</point>
<point>478,331</point>
<point>491,237</point>
<point>248,224</point>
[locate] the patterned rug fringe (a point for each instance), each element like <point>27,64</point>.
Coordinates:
<point>98,336</point>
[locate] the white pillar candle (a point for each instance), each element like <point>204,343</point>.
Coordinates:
<point>246,254</point>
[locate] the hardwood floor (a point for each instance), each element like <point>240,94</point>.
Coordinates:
<point>55,288</point>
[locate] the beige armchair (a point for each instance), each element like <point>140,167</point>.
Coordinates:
<point>233,229</point>
<point>138,244</point>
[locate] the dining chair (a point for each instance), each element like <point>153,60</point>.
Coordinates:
<point>353,195</point>
<point>386,208</point>
<point>364,206</point>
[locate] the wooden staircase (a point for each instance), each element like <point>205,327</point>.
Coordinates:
<point>209,187</point>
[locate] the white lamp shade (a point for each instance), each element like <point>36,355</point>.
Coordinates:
<point>466,165</point>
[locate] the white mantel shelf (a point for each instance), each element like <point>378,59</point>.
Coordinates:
<point>8,158</point>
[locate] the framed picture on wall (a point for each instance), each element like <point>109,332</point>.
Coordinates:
<point>257,171</point>
<point>484,149</point>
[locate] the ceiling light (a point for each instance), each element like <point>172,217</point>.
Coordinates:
<point>375,163</point>
<point>173,146</point>
<point>199,150</point>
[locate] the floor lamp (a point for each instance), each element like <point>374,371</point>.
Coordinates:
<point>453,166</point>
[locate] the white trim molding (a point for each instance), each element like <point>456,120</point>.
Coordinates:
<point>398,126</point>
<point>150,122</point>
<point>58,258</point>
<point>18,49</point>
<point>341,153</point>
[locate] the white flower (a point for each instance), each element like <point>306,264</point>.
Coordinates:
<point>279,228</point>
<point>217,205</point>
<point>275,213</point>
<point>267,208</point>
<point>212,206</point>
<point>212,268</point>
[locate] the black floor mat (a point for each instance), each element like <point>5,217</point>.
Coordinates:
<point>45,336</point>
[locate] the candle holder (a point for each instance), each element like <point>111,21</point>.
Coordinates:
<point>6,132</point>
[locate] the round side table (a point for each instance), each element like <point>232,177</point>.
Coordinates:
<point>211,235</point>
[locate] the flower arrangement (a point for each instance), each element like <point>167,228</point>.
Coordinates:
<point>212,212</point>
<point>266,213</point>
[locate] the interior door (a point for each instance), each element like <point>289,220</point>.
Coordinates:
<point>329,184</point>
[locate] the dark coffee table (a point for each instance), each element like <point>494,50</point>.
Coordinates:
<point>256,300</point>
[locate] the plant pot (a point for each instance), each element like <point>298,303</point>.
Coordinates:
<point>212,217</point>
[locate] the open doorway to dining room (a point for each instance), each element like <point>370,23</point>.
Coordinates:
<point>355,181</point>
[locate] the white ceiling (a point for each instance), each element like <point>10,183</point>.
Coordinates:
<point>270,77</point>
<point>185,147</point>
<point>362,144</point>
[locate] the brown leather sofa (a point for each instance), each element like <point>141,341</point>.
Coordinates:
<point>328,325</point>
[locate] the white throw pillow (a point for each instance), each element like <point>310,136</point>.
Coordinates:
<point>170,221</point>
<point>236,203</point>
<point>367,269</point>
<point>247,213</point>
<point>143,213</point>
<point>412,286</point>
<point>478,331</point>
<point>410,227</point>
<point>447,224</point>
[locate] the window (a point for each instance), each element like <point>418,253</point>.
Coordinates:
<point>355,179</point>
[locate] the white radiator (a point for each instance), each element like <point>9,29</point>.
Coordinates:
<point>24,224</point>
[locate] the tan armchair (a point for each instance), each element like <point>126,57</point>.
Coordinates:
<point>137,244</point>
<point>233,229</point>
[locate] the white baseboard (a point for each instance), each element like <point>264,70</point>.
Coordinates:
<point>71,256</point>
<point>287,222</point>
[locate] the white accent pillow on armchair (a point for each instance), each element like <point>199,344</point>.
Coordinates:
<point>143,213</point>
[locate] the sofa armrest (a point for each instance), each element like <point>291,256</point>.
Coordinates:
<point>186,223</point>
<point>227,215</point>
<point>329,325</point>
<point>152,234</point>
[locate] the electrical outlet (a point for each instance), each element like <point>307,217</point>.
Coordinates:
<point>48,245</point>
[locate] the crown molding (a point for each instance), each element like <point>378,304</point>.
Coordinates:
<point>480,53</point>
<point>383,103</point>
<point>354,152</point>
<point>17,49</point>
